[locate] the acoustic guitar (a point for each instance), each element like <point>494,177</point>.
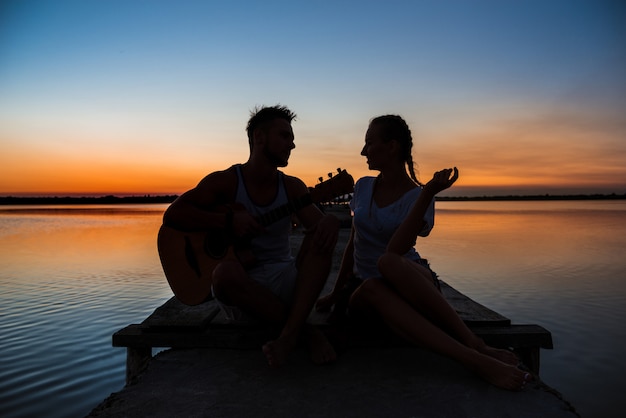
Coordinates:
<point>188,258</point>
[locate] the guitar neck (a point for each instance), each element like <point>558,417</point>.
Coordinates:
<point>284,210</point>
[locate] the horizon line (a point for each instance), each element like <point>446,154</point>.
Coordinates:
<point>168,198</point>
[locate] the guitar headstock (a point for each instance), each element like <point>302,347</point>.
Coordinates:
<point>337,185</point>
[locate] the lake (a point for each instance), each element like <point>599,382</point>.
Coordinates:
<point>73,275</point>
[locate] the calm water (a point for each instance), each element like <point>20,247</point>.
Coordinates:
<point>71,276</point>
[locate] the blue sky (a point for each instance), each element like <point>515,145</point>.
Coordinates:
<point>148,96</point>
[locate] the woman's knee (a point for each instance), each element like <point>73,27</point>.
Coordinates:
<point>387,262</point>
<point>367,291</point>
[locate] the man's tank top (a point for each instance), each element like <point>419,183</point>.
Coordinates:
<point>273,245</point>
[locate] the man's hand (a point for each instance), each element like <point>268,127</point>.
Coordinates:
<point>441,180</point>
<point>244,224</point>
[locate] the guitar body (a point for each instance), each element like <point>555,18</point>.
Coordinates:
<point>188,258</point>
<point>188,261</point>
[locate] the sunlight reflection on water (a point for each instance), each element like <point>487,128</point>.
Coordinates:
<point>71,278</point>
<point>558,264</point>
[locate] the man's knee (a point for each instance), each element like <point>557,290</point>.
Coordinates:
<point>227,278</point>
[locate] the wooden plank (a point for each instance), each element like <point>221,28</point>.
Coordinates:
<point>174,314</point>
<point>473,313</point>
<point>516,336</point>
<point>136,336</point>
<point>519,337</point>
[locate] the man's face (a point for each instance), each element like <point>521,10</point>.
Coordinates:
<point>279,141</point>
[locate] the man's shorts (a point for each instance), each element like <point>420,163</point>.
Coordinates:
<point>280,278</point>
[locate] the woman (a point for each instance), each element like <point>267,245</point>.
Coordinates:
<point>390,211</point>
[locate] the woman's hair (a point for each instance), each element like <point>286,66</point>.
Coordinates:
<point>394,127</point>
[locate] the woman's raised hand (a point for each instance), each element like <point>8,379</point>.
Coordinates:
<point>442,180</point>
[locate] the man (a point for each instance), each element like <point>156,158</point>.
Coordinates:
<point>276,287</point>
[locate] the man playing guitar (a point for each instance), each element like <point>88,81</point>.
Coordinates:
<point>276,287</point>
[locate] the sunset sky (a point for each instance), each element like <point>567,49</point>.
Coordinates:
<point>146,97</point>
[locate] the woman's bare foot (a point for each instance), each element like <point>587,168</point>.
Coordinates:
<point>322,351</point>
<point>505,356</point>
<point>500,374</point>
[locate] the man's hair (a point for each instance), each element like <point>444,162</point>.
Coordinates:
<point>263,114</point>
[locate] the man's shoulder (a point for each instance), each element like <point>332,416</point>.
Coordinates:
<point>291,179</point>
<point>218,181</point>
<point>225,174</point>
<point>293,184</point>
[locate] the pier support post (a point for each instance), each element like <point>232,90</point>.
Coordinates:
<point>530,358</point>
<point>137,359</point>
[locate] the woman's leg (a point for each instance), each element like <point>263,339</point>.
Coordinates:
<point>411,325</point>
<point>414,284</point>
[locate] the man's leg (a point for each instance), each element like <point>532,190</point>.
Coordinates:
<point>233,286</point>
<point>313,269</point>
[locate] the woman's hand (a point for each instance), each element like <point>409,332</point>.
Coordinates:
<point>441,180</point>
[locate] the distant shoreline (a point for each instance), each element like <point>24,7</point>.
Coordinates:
<point>148,199</point>
<point>85,200</point>
<point>612,196</point>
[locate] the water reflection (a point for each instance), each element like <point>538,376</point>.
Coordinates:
<point>71,277</point>
<point>559,264</point>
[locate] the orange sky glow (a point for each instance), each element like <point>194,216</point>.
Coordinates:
<point>523,97</point>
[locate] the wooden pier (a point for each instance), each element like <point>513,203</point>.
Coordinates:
<point>216,368</point>
<point>203,326</point>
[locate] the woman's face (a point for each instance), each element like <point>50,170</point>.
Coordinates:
<point>377,151</point>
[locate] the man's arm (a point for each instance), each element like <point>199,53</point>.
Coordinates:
<point>196,208</point>
<point>325,228</point>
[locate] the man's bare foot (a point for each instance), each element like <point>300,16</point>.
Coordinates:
<point>322,351</point>
<point>277,351</point>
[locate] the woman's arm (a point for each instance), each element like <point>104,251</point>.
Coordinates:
<point>406,234</point>
<point>345,270</point>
